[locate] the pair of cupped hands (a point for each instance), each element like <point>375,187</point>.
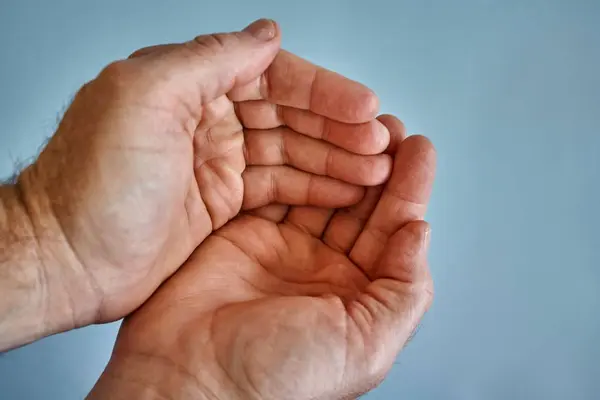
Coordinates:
<point>251,216</point>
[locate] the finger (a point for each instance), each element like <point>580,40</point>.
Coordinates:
<point>391,306</point>
<point>272,212</point>
<point>347,223</point>
<point>371,137</point>
<point>295,82</point>
<point>312,220</point>
<point>203,69</point>
<point>285,185</point>
<point>281,146</point>
<point>396,129</point>
<point>404,199</point>
<point>405,257</point>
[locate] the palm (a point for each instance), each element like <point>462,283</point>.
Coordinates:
<point>283,307</point>
<point>279,281</point>
<point>170,176</point>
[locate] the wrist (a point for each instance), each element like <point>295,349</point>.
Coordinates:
<point>45,289</point>
<point>73,299</point>
<point>21,285</point>
<point>146,378</point>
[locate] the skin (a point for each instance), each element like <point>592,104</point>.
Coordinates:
<point>289,303</point>
<point>232,158</point>
<point>164,148</point>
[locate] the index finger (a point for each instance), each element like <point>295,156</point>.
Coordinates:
<point>294,82</point>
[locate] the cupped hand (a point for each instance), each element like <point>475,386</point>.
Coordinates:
<point>299,303</point>
<point>165,147</point>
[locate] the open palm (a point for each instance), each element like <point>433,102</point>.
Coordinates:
<point>299,303</point>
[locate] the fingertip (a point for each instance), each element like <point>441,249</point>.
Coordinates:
<point>420,146</point>
<point>413,175</point>
<point>342,99</point>
<point>369,103</point>
<point>368,138</point>
<point>396,131</point>
<point>417,146</point>
<point>419,230</point>
<point>263,29</point>
<point>277,29</point>
<point>379,170</point>
<point>381,137</point>
<point>358,102</point>
<point>354,196</point>
<point>422,142</point>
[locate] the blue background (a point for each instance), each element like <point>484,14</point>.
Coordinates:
<point>509,91</point>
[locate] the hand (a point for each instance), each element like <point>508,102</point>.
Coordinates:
<point>308,304</point>
<point>167,146</point>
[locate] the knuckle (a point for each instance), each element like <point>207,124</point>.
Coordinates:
<point>115,75</point>
<point>210,45</point>
<point>123,81</point>
<point>114,71</point>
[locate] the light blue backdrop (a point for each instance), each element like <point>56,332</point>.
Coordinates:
<point>509,91</point>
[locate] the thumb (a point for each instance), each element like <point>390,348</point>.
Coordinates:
<point>391,306</point>
<point>405,257</point>
<point>402,289</point>
<point>209,66</point>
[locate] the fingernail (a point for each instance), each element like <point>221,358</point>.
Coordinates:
<point>262,29</point>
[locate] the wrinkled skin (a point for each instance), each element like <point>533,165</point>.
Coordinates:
<point>167,146</point>
<point>298,303</point>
